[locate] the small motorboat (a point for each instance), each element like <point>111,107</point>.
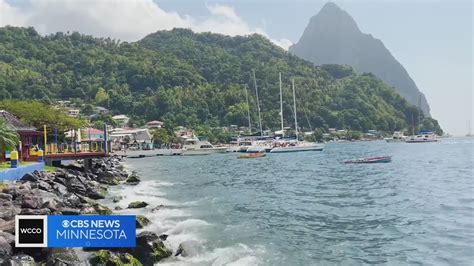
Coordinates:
<point>381,159</point>
<point>252,155</point>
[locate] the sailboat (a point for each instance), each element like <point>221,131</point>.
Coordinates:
<point>422,136</point>
<point>262,143</point>
<point>293,145</point>
<point>469,130</point>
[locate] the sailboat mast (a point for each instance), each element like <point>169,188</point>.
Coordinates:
<point>248,108</point>
<point>419,114</point>
<point>281,108</point>
<point>258,103</point>
<point>294,107</point>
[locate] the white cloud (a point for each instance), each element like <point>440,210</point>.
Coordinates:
<point>125,20</point>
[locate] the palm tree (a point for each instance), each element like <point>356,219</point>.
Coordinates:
<point>8,137</point>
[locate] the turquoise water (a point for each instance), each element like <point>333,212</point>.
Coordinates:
<point>310,208</point>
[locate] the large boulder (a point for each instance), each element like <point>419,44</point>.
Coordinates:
<point>107,257</point>
<point>137,204</point>
<point>5,247</point>
<point>76,186</point>
<point>108,177</point>
<point>62,257</point>
<point>31,202</point>
<point>150,249</point>
<point>132,180</point>
<point>142,221</point>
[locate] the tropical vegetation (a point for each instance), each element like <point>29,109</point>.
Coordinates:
<point>196,80</point>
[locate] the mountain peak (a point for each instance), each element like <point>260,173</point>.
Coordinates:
<point>335,17</point>
<point>333,37</point>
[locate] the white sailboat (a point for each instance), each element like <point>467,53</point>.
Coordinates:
<point>263,144</point>
<point>469,130</point>
<point>295,145</point>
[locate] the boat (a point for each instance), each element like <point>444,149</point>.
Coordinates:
<point>381,159</point>
<point>195,146</point>
<point>469,130</point>
<point>294,145</point>
<point>396,137</point>
<point>252,155</point>
<point>422,137</point>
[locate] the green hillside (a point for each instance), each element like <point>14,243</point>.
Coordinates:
<point>193,79</point>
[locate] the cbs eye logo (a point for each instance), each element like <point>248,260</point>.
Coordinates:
<point>30,231</point>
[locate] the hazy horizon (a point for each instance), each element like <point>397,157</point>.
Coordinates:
<point>432,40</point>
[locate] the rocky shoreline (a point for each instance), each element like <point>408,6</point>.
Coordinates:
<point>71,190</point>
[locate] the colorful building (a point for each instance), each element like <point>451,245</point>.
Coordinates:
<point>30,138</point>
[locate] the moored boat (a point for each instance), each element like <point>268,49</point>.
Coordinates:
<point>396,137</point>
<point>422,137</point>
<point>194,146</point>
<point>380,159</point>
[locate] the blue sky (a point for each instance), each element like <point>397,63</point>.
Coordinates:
<point>432,39</point>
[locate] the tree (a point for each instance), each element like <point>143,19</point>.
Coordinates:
<point>101,96</point>
<point>9,138</point>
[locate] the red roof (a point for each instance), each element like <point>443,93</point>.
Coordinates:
<point>93,131</point>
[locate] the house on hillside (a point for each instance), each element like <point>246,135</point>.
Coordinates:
<point>29,136</point>
<point>120,120</point>
<point>154,124</point>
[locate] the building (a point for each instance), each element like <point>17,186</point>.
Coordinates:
<point>120,120</point>
<point>154,124</point>
<point>139,138</point>
<point>29,136</point>
<point>92,134</point>
<point>73,112</point>
<point>101,110</point>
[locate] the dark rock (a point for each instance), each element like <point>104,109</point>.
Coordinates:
<point>4,196</point>
<point>163,237</point>
<point>29,177</point>
<point>69,211</point>
<point>62,257</point>
<point>157,208</point>
<point>5,247</point>
<point>142,221</point>
<point>108,177</point>
<point>43,185</point>
<point>60,188</point>
<point>14,191</point>
<point>150,249</point>
<point>52,205</point>
<point>96,208</point>
<point>43,211</point>
<point>137,204</point>
<point>31,202</point>
<point>95,193</point>
<point>107,257</point>
<point>118,208</point>
<point>8,210</point>
<point>133,179</point>
<point>116,199</point>
<point>71,200</point>
<point>76,186</point>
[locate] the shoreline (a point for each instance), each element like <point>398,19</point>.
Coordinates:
<point>71,190</point>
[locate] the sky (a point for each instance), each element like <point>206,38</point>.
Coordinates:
<point>432,39</point>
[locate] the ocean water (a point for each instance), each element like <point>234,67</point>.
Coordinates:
<point>311,209</point>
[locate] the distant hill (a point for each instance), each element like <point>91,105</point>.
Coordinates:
<point>190,79</point>
<point>333,37</point>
